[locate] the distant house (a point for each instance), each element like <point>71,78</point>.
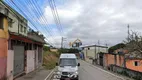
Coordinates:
<point>92,51</point>
<point>53,49</point>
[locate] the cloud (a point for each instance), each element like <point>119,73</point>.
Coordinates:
<point>93,20</point>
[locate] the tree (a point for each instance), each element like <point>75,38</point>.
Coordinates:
<point>46,48</point>
<point>115,47</point>
<point>134,43</point>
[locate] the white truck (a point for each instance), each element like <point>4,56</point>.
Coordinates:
<point>68,67</point>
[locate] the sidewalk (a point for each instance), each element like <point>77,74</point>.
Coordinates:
<point>39,74</point>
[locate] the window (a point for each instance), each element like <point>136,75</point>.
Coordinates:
<point>1,22</point>
<point>67,62</point>
<point>24,29</point>
<point>136,63</point>
<point>9,22</point>
<point>88,48</point>
<point>21,28</point>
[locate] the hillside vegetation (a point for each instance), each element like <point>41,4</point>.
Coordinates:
<point>50,59</point>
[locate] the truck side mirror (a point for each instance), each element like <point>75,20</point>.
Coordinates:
<point>56,64</point>
<point>78,64</point>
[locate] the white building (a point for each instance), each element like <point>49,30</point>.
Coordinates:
<point>92,51</point>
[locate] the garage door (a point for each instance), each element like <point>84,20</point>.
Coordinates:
<point>30,61</point>
<point>18,59</point>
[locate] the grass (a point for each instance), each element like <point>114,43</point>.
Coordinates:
<point>50,59</point>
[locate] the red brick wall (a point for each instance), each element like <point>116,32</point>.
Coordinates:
<point>3,57</point>
<point>3,62</point>
<point>109,59</point>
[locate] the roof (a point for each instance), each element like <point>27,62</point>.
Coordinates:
<point>95,46</point>
<point>67,55</point>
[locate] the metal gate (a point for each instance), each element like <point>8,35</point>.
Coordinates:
<point>18,59</point>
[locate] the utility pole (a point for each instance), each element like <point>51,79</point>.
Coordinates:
<point>62,42</point>
<point>128,33</point>
<point>98,45</point>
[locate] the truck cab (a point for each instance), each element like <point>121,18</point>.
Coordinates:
<point>68,67</point>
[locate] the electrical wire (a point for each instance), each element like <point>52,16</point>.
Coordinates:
<point>28,19</point>
<point>55,15</point>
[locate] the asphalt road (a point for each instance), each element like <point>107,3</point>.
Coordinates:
<point>90,72</point>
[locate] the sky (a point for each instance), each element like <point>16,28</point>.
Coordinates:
<point>87,20</point>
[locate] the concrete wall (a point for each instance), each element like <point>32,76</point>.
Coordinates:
<point>16,25</point>
<point>92,51</point>
<point>10,64</point>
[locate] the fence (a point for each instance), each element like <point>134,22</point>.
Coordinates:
<point>127,72</point>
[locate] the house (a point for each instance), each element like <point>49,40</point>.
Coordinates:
<point>93,50</point>
<point>122,58</point>
<point>20,49</point>
<point>3,44</point>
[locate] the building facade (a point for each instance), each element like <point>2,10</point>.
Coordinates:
<point>3,44</point>
<point>93,50</point>
<point>20,50</point>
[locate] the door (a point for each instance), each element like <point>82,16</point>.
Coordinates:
<point>30,61</point>
<point>18,59</point>
<point>10,58</point>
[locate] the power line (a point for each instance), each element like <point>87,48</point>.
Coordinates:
<point>46,33</point>
<point>28,18</point>
<point>55,14</point>
<point>38,9</point>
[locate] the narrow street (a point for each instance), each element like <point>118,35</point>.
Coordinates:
<point>90,72</point>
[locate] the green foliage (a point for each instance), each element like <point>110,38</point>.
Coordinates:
<point>115,47</point>
<point>46,48</point>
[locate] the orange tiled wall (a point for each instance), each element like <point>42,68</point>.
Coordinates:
<point>130,65</point>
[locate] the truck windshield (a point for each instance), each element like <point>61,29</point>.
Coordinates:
<point>67,62</point>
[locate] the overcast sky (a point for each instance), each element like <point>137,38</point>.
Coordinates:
<point>93,20</point>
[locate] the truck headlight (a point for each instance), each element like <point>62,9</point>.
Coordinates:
<point>76,73</point>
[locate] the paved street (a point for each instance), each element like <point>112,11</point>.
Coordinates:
<point>89,72</point>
